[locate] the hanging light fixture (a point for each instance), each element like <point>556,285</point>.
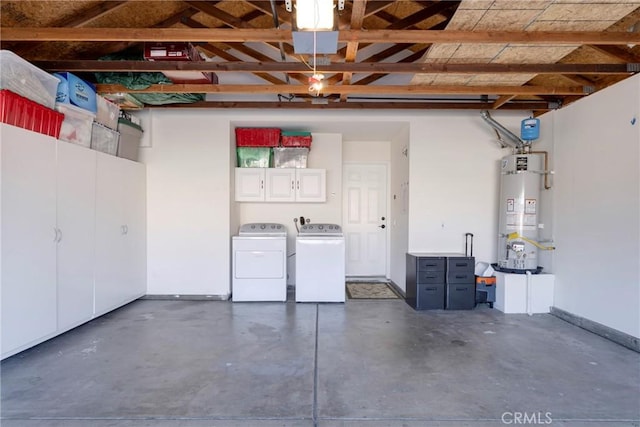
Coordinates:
<point>316,80</point>
<point>314,15</point>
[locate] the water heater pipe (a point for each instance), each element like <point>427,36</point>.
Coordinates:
<point>513,140</point>
<point>546,167</point>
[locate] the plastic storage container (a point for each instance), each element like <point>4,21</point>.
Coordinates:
<point>257,137</point>
<point>254,157</point>
<point>296,139</point>
<point>108,112</point>
<point>290,157</point>
<point>130,136</point>
<point>19,111</point>
<point>104,139</point>
<point>76,126</point>
<point>73,90</point>
<point>25,79</point>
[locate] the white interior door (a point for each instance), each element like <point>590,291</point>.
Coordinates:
<point>365,219</point>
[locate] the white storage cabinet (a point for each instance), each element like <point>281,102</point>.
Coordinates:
<point>50,252</point>
<point>280,185</point>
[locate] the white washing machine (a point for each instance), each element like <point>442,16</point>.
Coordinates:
<point>259,263</point>
<point>320,263</point>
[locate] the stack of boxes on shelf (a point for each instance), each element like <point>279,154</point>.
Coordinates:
<point>64,106</point>
<point>28,96</point>
<point>272,147</point>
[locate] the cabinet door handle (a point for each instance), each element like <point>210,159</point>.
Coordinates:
<point>298,184</point>
<point>293,185</point>
<point>126,229</point>
<point>122,230</point>
<point>59,235</point>
<point>55,235</point>
<point>261,184</point>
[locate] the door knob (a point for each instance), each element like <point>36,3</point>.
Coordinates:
<point>382,218</point>
<point>382,226</point>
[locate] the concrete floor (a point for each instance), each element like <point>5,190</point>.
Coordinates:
<point>362,363</point>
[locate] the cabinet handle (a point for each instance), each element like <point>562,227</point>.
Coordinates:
<point>298,184</point>
<point>126,229</point>
<point>55,235</point>
<point>122,230</point>
<point>261,184</point>
<point>59,235</point>
<point>293,185</point>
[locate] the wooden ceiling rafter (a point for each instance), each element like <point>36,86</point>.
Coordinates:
<point>44,34</point>
<point>541,106</point>
<point>245,50</point>
<point>395,49</point>
<point>409,59</point>
<point>357,19</point>
<point>78,20</point>
<point>352,89</point>
<point>501,101</point>
<point>234,22</point>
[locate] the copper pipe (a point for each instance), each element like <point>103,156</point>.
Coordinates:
<point>546,167</point>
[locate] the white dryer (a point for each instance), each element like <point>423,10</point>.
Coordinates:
<point>320,263</point>
<point>259,263</point>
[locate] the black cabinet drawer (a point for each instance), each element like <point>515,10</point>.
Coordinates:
<point>460,270</point>
<point>431,264</point>
<point>430,297</point>
<point>461,296</point>
<point>431,277</point>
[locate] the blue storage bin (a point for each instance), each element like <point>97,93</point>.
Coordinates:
<point>75,91</point>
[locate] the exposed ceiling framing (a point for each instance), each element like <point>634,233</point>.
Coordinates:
<point>414,54</point>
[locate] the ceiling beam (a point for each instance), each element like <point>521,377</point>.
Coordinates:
<point>501,101</point>
<point>616,53</point>
<point>541,106</point>
<point>351,89</point>
<point>357,18</point>
<point>277,35</point>
<point>373,67</point>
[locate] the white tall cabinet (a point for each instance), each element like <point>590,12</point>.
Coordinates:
<point>120,267</point>
<point>29,237</point>
<point>54,243</point>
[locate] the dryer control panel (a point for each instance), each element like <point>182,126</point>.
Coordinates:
<point>262,229</point>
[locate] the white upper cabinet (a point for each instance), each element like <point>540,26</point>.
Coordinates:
<point>280,185</point>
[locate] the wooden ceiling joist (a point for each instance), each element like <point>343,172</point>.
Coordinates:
<point>386,105</point>
<point>277,35</point>
<point>350,89</point>
<point>264,64</point>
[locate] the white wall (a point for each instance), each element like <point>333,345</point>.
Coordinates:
<point>188,184</point>
<point>399,207</point>
<point>452,167</point>
<point>366,151</point>
<point>454,182</point>
<point>597,206</point>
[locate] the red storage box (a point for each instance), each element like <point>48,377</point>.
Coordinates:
<point>296,139</point>
<point>257,137</point>
<point>19,111</point>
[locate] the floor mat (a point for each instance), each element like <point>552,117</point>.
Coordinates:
<point>370,290</point>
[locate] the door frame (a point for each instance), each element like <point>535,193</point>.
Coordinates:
<point>387,234</point>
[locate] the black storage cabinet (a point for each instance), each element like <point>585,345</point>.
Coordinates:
<point>440,281</point>
<point>461,283</point>
<point>426,282</point>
